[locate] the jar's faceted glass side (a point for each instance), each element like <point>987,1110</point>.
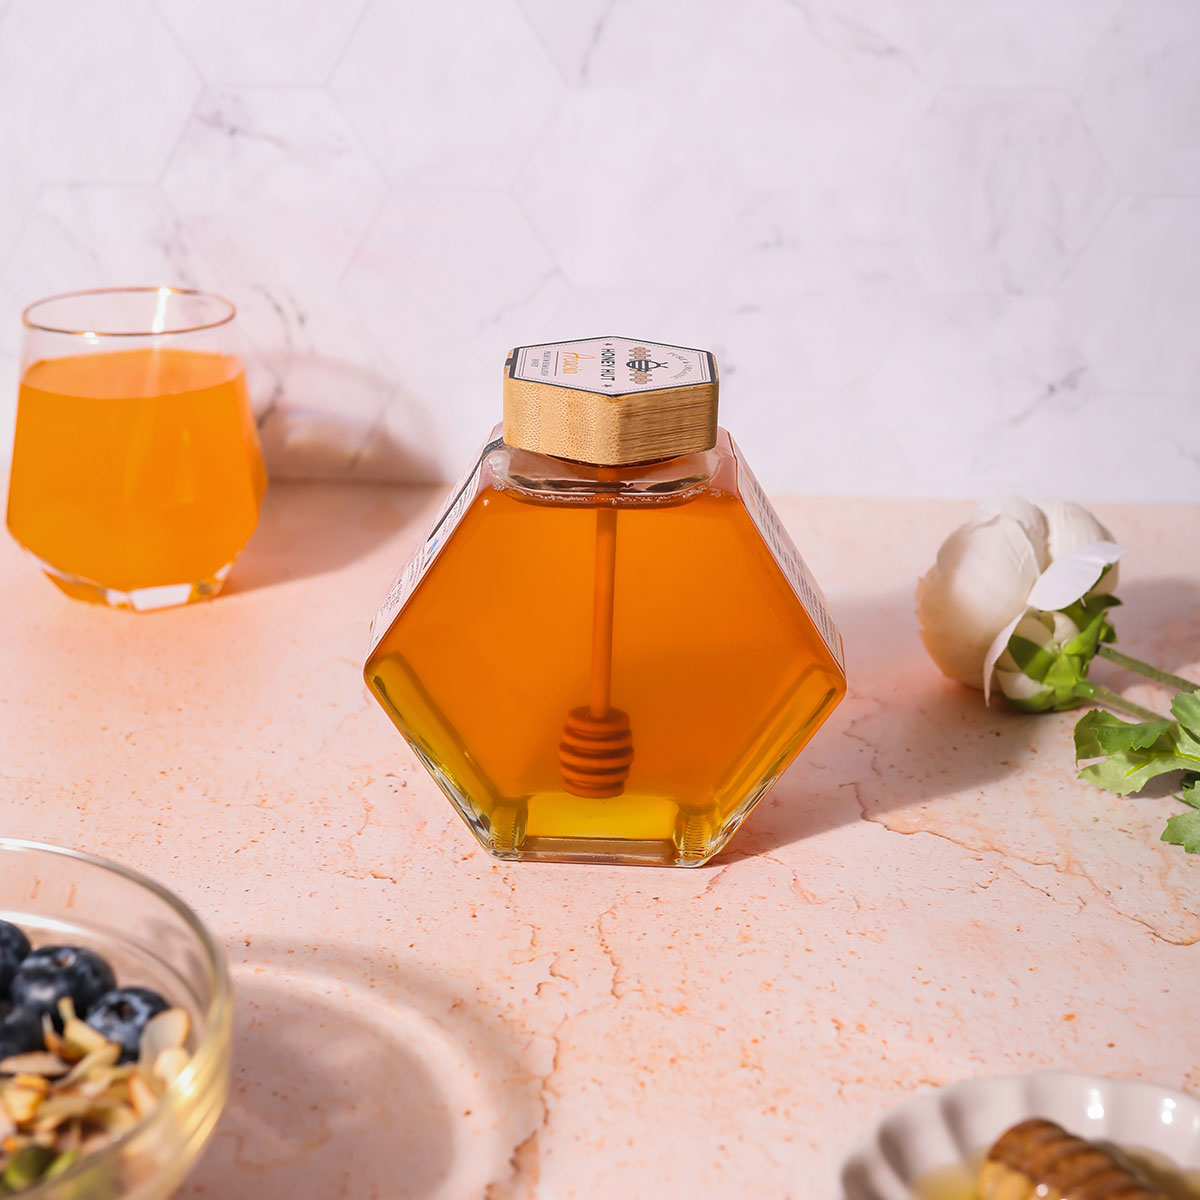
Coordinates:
<point>717,664</point>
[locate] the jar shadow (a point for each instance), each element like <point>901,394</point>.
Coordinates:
<point>309,529</point>
<point>903,736</point>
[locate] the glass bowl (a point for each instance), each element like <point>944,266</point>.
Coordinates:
<point>153,940</point>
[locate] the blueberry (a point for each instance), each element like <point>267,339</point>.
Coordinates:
<point>49,974</point>
<point>14,946</point>
<point>20,1032</point>
<point>121,1015</point>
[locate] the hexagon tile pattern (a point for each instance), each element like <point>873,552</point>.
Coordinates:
<point>1005,190</point>
<point>949,230</point>
<point>94,93</point>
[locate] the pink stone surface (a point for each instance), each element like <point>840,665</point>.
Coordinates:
<point>927,895</point>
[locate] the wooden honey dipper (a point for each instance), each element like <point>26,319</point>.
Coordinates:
<point>607,403</point>
<point>596,750</point>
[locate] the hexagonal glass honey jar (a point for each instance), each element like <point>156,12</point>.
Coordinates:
<point>606,648</point>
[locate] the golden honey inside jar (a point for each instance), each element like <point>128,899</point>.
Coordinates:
<point>607,648</point>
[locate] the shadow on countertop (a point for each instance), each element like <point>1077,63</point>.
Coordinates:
<point>308,529</point>
<point>903,735</point>
<point>357,1077</point>
<point>1158,621</point>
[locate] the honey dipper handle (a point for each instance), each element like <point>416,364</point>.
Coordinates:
<point>602,612</point>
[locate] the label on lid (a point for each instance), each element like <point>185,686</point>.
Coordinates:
<point>612,366</point>
<point>428,547</point>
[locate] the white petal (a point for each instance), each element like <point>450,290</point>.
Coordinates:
<point>1064,628</point>
<point>1016,685</point>
<point>1072,575</point>
<point>1035,627</point>
<point>962,661</point>
<point>981,580</point>
<point>1028,515</point>
<point>983,576</point>
<point>1069,525</point>
<point>997,648</point>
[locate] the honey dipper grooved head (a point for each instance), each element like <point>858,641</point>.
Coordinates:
<point>595,753</point>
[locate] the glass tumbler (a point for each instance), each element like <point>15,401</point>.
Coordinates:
<point>137,474</point>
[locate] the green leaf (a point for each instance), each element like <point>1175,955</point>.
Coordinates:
<point>1183,829</point>
<point>1129,771</point>
<point>1088,638</point>
<point>1186,707</point>
<point>1130,736</point>
<point>1191,792</point>
<point>1087,732</point>
<point>27,1166</point>
<point>1187,745</point>
<point>62,1164</point>
<point>1141,736</point>
<point>1032,659</point>
<point>1063,674</point>
<point>1042,702</point>
<point>1083,610</point>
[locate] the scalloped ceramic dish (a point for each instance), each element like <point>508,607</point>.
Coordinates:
<point>925,1138</point>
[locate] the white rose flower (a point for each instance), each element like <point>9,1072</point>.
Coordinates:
<point>1010,559</point>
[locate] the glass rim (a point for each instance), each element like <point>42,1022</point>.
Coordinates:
<point>28,321</point>
<point>218,1014</point>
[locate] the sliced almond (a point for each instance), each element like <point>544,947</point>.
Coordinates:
<point>82,1038</point>
<point>170,1063</point>
<point>55,1043</point>
<point>99,1058</point>
<point>34,1082</point>
<point>101,1082</point>
<point>142,1095</point>
<point>23,1095</point>
<point>119,1118</point>
<point>55,1110</point>
<point>71,1137</point>
<point>164,1031</point>
<point>37,1062</point>
<point>94,1142</point>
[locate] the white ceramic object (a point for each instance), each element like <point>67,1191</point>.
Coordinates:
<point>946,1126</point>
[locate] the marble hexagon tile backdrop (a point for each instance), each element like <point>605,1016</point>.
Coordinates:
<point>956,246</point>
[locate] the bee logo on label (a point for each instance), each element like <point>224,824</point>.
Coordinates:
<point>641,365</point>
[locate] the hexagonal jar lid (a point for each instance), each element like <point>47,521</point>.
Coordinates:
<point>610,401</point>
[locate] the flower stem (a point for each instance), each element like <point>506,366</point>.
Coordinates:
<point>1135,664</point>
<point>1101,695</point>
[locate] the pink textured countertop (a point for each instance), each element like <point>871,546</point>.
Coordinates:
<point>927,895</point>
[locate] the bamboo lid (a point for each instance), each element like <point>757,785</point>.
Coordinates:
<point>610,401</point>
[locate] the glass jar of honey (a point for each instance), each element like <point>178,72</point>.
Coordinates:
<point>606,648</point>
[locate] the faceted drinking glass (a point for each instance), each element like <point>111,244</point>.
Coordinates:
<point>137,474</point>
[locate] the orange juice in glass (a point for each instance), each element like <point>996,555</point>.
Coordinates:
<point>136,475</point>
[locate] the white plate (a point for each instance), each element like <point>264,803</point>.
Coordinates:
<point>947,1126</point>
